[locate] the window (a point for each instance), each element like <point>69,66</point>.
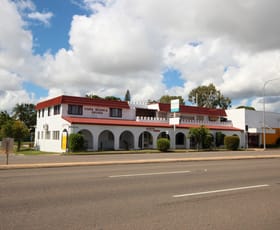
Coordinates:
<point>49,111</point>
<point>38,135</point>
<point>43,111</point>
<point>47,135</point>
<point>115,112</point>
<point>56,109</point>
<point>39,113</point>
<point>75,109</point>
<point>55,135</point>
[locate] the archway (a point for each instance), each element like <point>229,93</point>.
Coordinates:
<point>145,140</point>
<point>180,140</point>
<point>88,139</point>
<point>126,140</point>
<point>106,140</point>
<point>164,135</point>
<point>64,140</point>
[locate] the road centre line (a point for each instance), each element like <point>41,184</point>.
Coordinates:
<point>150,174</point>
<point>221,190</point>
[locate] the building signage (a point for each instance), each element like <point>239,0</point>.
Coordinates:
<point>175,106</point>
<point>174,121</point>
<point>94,110</point>
<point>153,130</point>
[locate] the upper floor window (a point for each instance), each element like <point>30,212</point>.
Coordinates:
<point>115,112</point>
<point>75,109</point>
<point>56,109</point>
<point>43,112</point>
<point>49,111</point>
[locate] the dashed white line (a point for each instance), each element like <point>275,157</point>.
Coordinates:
<point>221,190</point>
<point>150,174</point>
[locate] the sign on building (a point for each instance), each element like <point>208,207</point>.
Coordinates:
<point>175,105</point>
<point>7,146</point>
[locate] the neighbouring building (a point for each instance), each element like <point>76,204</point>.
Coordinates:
<point>253,122</point>
<point>119,125</point>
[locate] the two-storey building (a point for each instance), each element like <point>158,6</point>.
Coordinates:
<point>115,125</point>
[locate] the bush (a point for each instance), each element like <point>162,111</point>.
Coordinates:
<point>163,144</point>
<point>231,142</point>
<point>219,138</point>
<point>208,141</point>
<point>76,142</point>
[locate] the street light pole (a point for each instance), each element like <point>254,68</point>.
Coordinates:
<point>264,128</point>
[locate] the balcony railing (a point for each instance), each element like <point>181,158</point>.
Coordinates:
<point>184,121</point>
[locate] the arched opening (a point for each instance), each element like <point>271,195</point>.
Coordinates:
<point>164,135</point>
<point>64,140</point>
<point>126,140</point>
<point>180,140</point>
<point>88,139</point>
<point>106,141</point>
<point>145,140</point>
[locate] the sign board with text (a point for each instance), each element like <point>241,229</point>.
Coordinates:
<point>174,121</point>
<point>175,106</point>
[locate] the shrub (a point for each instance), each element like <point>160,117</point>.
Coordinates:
<point>219,138</point>
<point>231,142</point>
<point>76,142</point>
<point>201,137</point>
<point>207,141</point>
<point>163,144</point>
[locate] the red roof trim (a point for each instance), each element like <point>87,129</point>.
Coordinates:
<point>82,101</point>
<point>194,110</point>
<point>115,122</point>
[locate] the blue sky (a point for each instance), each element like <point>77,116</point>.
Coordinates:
<point>54,36</point>
<point>105,47</point>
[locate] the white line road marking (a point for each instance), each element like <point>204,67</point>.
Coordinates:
<point>221,190</point>
<point>150,174</point>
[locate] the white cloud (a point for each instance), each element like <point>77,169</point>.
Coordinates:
<point>127,44</point>
<point>42,17</point>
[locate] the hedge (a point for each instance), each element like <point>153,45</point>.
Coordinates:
<point>231,142</point>
<point>163,144</point>
<point>76,142</point>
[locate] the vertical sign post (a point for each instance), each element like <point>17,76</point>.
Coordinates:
<point>7,146</point>
<point>174,108</point>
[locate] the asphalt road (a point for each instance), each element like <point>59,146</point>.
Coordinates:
<point>58,158</point>
<point>243,194</point>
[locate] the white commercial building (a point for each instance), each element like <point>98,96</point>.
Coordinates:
<point>253,122</point>
<point>116,125</point>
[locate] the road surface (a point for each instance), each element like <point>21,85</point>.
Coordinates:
<point>243,194</point>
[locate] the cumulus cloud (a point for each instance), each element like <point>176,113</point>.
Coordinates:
<point>123,44</point>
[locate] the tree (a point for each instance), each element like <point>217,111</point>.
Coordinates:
<point>112,98</point>
<point>15,129</point>
<point>7,129</point>
<point>93,96</point>
<point>209,97</point>
<point>245,107</point>
<point>25,113</point>
<point>20,131</point>
<point>5,124</point>
<point>167,99</point>
<point>201,136</point>
<point>127,96</point>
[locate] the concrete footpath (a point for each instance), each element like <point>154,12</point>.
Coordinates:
<point>62,160</point>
